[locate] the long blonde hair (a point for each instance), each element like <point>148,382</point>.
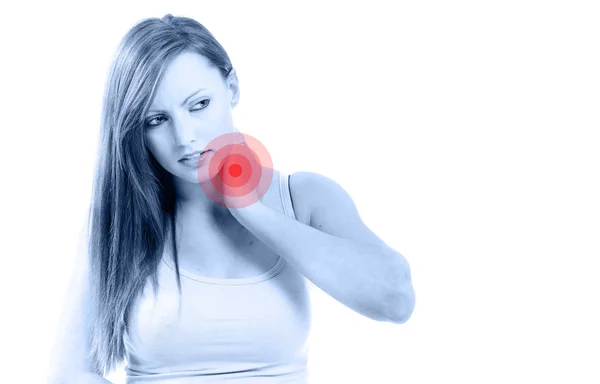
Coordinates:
<point>133,200</point>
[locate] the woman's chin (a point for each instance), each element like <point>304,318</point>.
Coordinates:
<point>195,176</point>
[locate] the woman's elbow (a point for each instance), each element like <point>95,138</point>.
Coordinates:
<point>402,305</point>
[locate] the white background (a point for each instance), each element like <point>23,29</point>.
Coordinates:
<point>465,131</point>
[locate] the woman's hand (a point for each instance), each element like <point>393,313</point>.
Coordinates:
<point>239,187</point>
<point>238,176</point>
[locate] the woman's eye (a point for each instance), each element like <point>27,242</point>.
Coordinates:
<point>200,105</point>
<point>154,121</point>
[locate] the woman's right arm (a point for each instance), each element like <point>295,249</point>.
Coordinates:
<point>69,363</point>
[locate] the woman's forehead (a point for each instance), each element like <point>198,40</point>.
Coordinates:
<point>187,73</point>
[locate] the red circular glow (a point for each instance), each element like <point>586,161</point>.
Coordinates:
<point>235,170</point>
<point>239,173</point>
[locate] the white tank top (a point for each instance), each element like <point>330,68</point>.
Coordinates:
<point>241,330</point>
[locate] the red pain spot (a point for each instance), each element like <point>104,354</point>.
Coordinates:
<point>239,172</point>
<point>235,170</point>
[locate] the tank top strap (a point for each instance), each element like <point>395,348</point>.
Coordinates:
<point>284,192</point>
<point>288,208</point>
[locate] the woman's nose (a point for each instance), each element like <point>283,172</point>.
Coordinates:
<point>183,131</point>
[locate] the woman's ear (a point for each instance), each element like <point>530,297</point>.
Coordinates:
<point>233,87</point>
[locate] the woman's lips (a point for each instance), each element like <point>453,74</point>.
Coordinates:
<point>194,155</point>
<point>196,160</point>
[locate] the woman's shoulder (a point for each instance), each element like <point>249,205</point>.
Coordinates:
<point>297,193</point>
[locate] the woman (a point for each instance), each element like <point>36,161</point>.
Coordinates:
<point>187,288</point>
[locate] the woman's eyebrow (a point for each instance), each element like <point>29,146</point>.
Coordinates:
<point>184,101</point>
<point>190,96</point>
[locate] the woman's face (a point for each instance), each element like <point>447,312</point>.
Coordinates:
<point>192,107</point>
